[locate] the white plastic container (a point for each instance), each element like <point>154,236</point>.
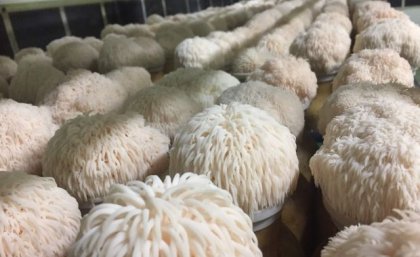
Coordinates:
<point>263,218</point>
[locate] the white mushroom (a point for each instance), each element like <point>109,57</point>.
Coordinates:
<point>183,216</point>
<point>370,159</point>
<point>389,34</point>
<point>282,104</point>
<point>37,217</point>
<point>290,73</point>
<point>325,46</point>
<point>34,76</point>
<point>243,150</point>
<point>376,66</point>
<point>164,108</point>
<point>24,132</point>
<point>389,238</point>
<point>84,92</point>
<point>8,67</point>
<point>89,154</point>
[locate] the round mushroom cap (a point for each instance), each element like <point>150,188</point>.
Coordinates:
<point>113,29</point>
<point>164,108</point>
<point>28,51</point>
<point>8,67</point>
<point>4,88</point>
<point>119,51</point>
<point>132,79</point>
<point>236,18</point>
<point>247,152</point>
<point>199,53</point>
<point>154,18</point>
<point>250,60</point>
<point>129,30</point>
<point>351,95</point>
<point>337,7</point>
<point>35,75</point>
<point>75,55</point>
<point>138,30</point>
<point>159,208</point>
<point>37,217</point>
<point>376,66</point>
<point>306,17</point>
<point>218,22</point>
<point>245,37</point>
<point>88,154</point>
<point>294,27</point>
<point>325,46</point>
<point>375,16</point>
<point>154,54</point>
<point>200,27</point>
<point>94,42</point>
<point>389,238</point>
<point>263,21</point>
<point>290,73</point>
<point>276,43</point>
<point>362,8</point>
<point>227,36</point>
<point>169,35</point>
<point>179,17</point>
<point>229,42</point>
<point>369,162</point>
<point>389,34</point>
<point>207,87</point>
<point>180,77</point>
<point>336,19</point>
<point>24,132</point>
<point>282,104</point>
<point>84,92</point>
<point>57,43</point>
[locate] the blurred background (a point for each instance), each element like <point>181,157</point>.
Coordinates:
<point>27,23</point>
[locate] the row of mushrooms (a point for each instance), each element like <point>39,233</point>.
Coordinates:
<point>183,165</point>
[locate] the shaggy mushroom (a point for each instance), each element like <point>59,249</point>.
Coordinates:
<point>132,79</point>
<point>88,154</point>
<point>8,67</point>
<point>35,75</point>
<point>390,238</point>
<point>84,92</point>
<point>324,45</point>
<point>243,150</point>
<point>351,95</point>
<point>400,35</point>
<point>282,104</point>
<point>376,66</point>
<point>24,132</point>
<point>183,216</point>
<point>163,108</point>
<point>290,73</point>
<point>370,157</point>
<point>24,52</point>
<point>37,217</point>
<point>75,55</point>
<point>250,60</point>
